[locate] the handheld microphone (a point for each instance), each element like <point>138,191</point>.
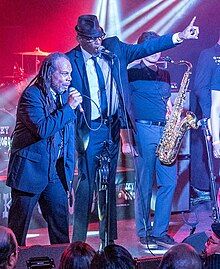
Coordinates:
<point>103,50</point>
<point>71,89</point>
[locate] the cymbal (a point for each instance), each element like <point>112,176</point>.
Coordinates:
<point>37,52</point>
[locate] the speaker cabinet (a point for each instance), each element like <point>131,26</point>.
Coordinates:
<point>51,251</point>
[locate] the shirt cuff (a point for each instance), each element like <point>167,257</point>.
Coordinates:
<point>176,39</point>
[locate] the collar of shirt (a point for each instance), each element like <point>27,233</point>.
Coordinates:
<point>87,56</point>
<point>54,94</point>
<point>55,97</point>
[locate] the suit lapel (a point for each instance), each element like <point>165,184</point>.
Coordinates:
<point>79,61</point>
<point>80,66</point>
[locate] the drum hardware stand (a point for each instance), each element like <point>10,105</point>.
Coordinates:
<point>104,163</point>
<point>36,53</point>
<point>193,225</point>
<point>103,185</point>
<point>215,209</point>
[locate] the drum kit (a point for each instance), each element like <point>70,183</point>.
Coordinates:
<point>36,53</point>
<point>11,88</point>
<point>18,72</point>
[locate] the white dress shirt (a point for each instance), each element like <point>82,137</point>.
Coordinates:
<point>94,84</point>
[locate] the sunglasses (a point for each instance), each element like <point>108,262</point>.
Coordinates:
<point>93,39</point>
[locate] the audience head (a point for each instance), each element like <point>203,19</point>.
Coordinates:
<point>112,257</point>
<point>181,256</point>
<point>77,255</point>
<point>8,248</point>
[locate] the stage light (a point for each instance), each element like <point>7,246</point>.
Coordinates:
<point>140,12</point>
<point>40,263</point>
<point>150,14</point>
<point>174,15</point>
<point>108,13</point>
<point>169,11</point>
<point>101,7</point>
<point>32,235</point>
<point>92,233</point>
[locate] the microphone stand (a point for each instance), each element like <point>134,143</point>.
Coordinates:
<point>104,165</point>
<point>207,135</point>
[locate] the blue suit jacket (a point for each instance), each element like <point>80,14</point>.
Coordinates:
<point>126,53</point>
<point>206,66</point>
<point>32,152</point>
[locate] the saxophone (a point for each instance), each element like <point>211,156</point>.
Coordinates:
<point>176,127</point>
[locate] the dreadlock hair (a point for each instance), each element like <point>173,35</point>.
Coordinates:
<point>8,245</point>
<point>43,78</point>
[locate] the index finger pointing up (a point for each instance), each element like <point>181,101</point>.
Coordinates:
<point>192,21</point>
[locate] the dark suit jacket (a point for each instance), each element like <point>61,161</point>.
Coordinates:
<point>206,66</point>
<point>32,152</point>
<point>126,53</point>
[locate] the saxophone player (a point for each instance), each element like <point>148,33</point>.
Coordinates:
<point>150,95</point>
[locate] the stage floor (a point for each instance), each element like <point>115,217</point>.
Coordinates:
<point>202,213</point>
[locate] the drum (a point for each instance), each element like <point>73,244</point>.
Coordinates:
<point>7,125</point>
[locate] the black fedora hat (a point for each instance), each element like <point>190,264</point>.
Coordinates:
<point>88,26</point>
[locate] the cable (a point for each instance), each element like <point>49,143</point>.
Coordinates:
<point>84,116</point>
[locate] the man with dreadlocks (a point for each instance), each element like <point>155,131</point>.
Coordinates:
<point>41,163</point>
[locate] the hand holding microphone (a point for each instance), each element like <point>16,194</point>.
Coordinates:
<point>75,99</point>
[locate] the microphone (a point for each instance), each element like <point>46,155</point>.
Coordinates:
<point>71,89</point>
<point>167,59</point>
<point>203,122</point>
<point>103,50</point>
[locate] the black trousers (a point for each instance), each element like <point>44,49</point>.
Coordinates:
<point>87,167</point>
<point>53,203</point>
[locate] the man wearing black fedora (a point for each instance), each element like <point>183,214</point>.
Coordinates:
<point>100,75</point>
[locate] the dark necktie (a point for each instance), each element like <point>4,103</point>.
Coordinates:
<point>58,101</point>
<point>61,132</point>
<point>103,96</point>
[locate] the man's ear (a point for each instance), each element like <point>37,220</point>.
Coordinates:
<point>12,260</point>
